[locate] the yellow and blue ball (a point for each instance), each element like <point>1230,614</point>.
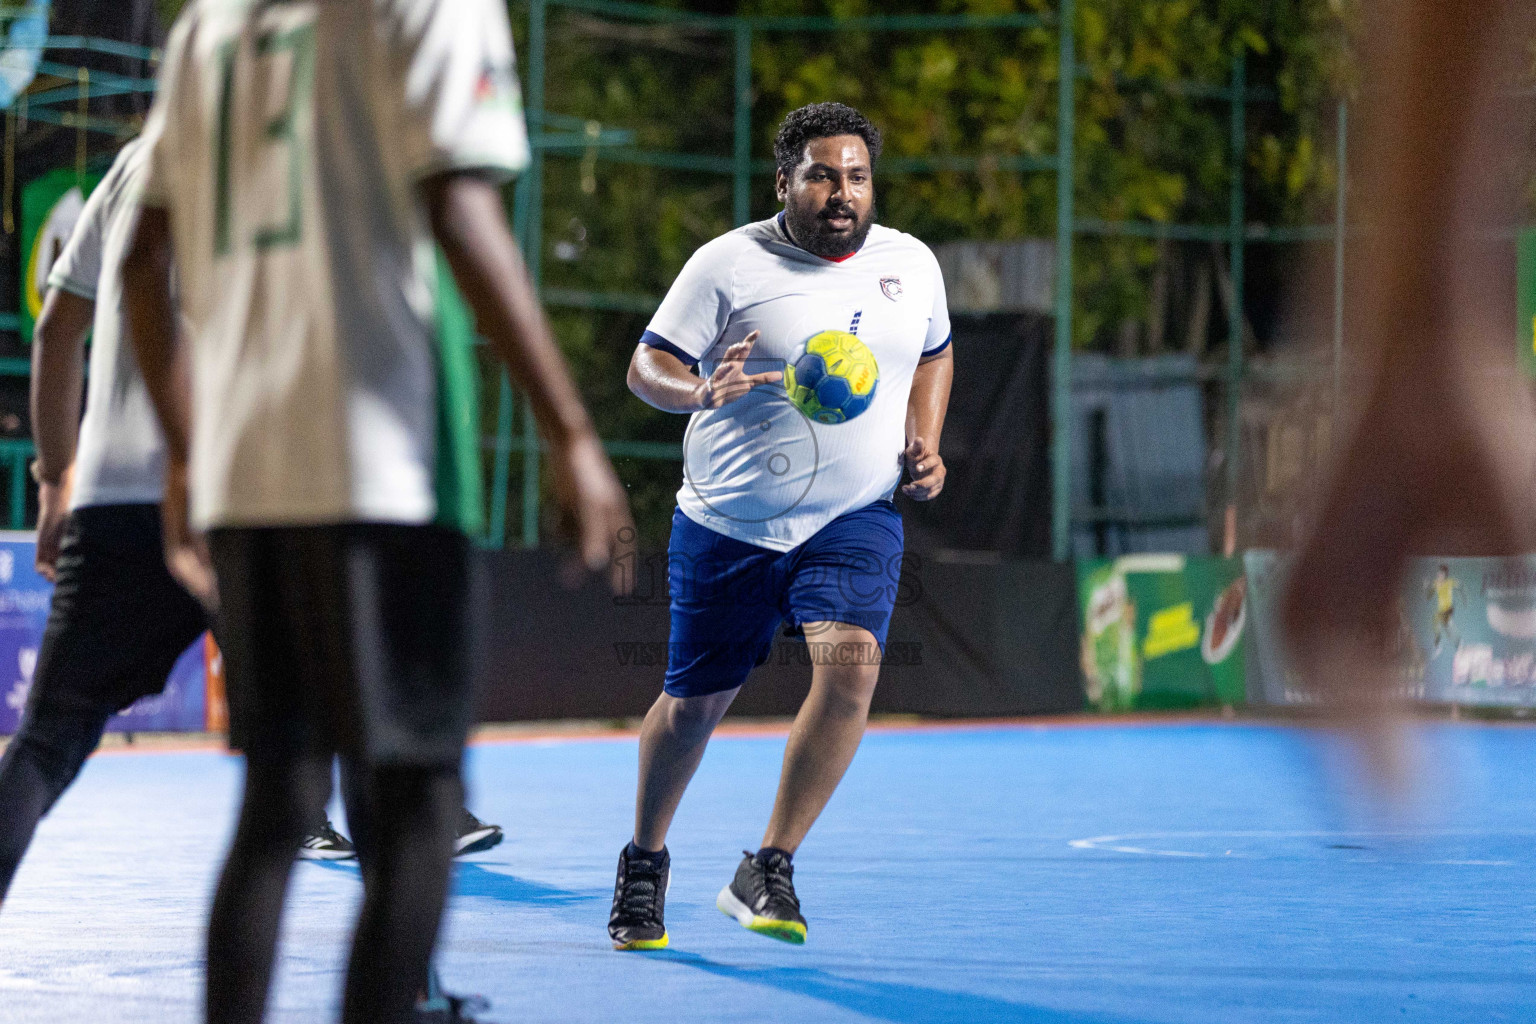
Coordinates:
<point>832,378</point>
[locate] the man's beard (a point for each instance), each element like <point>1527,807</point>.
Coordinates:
<point>809,231</point>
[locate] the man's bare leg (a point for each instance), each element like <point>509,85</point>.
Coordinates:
<point>672,743</point>
<point>827,731</point>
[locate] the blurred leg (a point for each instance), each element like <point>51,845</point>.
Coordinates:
<point>40,762</point>
<point>281,797</point>
<point>405,843</point>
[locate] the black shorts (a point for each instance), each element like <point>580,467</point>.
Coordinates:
<point>119,620</point>
<point>350,639</point>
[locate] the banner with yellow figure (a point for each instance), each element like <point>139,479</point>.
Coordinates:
<point>50,207</point>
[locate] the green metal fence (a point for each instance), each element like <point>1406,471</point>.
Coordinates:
<point>1237,234</point>
<point>552,133</point>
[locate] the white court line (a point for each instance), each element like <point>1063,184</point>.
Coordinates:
<point>1122,843</point>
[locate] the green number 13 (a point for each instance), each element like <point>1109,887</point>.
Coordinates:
<point>283,129</point>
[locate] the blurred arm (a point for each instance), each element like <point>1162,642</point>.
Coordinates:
<point>58,370</point>
<point>154,326</point>
<point>469,223</point>
<point>58,373</point>
<point>159,344</point>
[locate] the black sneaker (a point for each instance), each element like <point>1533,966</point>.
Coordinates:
<point>327,844</point>
<point>762,898</point>
<point>438,1007</point>
<point>639,900</point>
<point>446,1009</point>
<point>475,836</point>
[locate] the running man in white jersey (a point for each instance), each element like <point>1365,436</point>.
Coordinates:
<point>781,518</point>
<point>305,156</point>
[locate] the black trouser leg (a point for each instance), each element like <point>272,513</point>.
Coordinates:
<point>404,837</point>
<point>281,797</point>
<point>40,762</point>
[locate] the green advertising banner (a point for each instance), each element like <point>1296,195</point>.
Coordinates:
<point>50,206</point>
<point>1526,264</point>
<point>1162,631</point>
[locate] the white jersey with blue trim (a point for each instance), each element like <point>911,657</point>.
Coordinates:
<point>758,469</point>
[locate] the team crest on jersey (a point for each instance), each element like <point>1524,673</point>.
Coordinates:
<point>891,286</point>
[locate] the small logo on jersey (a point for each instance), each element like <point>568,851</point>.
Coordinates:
<point>497,87</point>
<point>853,327</point>
<point>892,287</point>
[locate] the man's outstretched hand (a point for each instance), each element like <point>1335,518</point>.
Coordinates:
<point>731,380</point>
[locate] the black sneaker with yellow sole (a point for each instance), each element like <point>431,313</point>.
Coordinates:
<point>640,899</point>
<point>762,897</point>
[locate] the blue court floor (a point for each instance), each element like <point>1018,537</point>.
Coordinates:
<point>1062,875</point>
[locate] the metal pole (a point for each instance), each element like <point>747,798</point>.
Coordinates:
<point>18,489</point>
<point>1237,242</point>
<point>533,248</point>
<point>1061,361</point>
<point>1339,211</point>
<point>742,206</point>
<point>501,465</point>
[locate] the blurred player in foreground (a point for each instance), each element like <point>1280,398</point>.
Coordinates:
<point>304,157</point>
<point>1443,457</point>
<point>783,517</point>
<point>98,538</point>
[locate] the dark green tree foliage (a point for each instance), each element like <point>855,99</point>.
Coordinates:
<point>1152,145</point>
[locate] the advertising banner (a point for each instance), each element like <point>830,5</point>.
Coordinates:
<point>1526,271</point>
<point>50,206</point>
<point>1465,632</point>
<point>1162,631</point>
<point>24,598</point>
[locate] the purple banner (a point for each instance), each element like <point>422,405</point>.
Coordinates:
<point>24,600</point>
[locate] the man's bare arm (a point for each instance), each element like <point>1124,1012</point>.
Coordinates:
<point>662,381</point>
<point>159,343</point>
<point>58,374</point>
<point>927,405</point>
<point>469,223</point>
<point>153,324</point>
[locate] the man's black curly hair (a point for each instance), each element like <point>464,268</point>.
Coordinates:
<point>820,121</point>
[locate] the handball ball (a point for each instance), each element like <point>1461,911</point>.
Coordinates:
<point>832,377</point>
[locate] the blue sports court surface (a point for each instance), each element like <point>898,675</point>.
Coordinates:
<point>1175,872</point>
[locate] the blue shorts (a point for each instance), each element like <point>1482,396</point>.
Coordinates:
<point>729,597</point>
